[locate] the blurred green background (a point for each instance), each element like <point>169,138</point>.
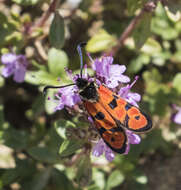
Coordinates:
<point>35,153</point>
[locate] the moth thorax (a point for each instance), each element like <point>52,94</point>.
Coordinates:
<point>89,93</point>
<point>81,83</point>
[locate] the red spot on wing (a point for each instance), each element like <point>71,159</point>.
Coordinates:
<point>137,121</point>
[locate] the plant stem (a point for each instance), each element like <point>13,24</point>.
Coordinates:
<point>44,18</point>
<point>148,7</point>
<point>47,14</point>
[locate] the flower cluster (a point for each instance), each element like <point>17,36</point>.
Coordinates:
<point>14,65</point>
<point>112,76</point>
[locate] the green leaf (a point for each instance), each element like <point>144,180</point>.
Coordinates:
<point>62,125</point>
<point>142,31</point>
<point>7,30</point>
<point>61,180</point>
<point>53,141</point>
<point>57,61</point>
<point>37,106</point>
<point>98,178</point>
<point>151,46</point>
<point>100,42</point>
<point>56,34</point>
<point>142,179</point>
<point>18,173</point>
<point>137,64</point>
<point>69,147</point>
<point>84,173</point>
<point>43,154</point>
<point>174,6</point>
<point>116,178</point>
<point>177,82</point>
<point>174,17</point>
<point>39,180</point>
<point>15,139</point>
<point>93,187</point>
<point>177,56</point>
<point>162,25</point>
<point>50,104</point>
<point>41,78</point>
<point>38,66</point>
<point>160,58</point>
<point>26,2</point>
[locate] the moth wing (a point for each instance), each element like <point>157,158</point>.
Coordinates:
<point>114,137</point>
<point>129,116</point>
<point>136,120</point>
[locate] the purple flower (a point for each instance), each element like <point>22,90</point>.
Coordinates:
<point>14,65</point>
<point>131,97</point>
<point>177,117</point>
<point>67,97</point>
<point>132,139</point>
<point>108,73</point>
<point>101,148</point>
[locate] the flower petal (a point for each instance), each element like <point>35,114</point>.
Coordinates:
<point>19,74</point>
<point>8,70</point>
<point>135,96</point>
<point>98,149</point>
<point>8,58</point>
<point>117,70</point>
<point>124,79</point>
<point>177,117</point>
<point>22,61</point>
<point>109,155</point>
<point>133,138</point>
<point>59,107</point>
<point>127,149</point>
<point>107,60</point>
<point>112,83</point>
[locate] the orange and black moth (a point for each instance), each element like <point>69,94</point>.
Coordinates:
<point>111,114</point>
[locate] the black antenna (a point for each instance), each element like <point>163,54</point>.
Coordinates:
<point>82,44</point>
<point>47,87</point>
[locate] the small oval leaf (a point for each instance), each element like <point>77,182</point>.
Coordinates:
<point>57,31</point>
<point>57,61</point>
<point>116,178</point>
<point>68,147</point>
<point>142,30</point>
<point>100,42</point>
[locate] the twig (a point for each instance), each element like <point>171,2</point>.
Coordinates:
<point>148,7</point>
<point>47,14</point>
<point>41,50</point>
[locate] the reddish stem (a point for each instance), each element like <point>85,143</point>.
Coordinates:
<point>47,14</point>
<point>148,7</point>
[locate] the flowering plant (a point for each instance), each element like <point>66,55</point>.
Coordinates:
<point>112,76</point>
<point>52,144</point>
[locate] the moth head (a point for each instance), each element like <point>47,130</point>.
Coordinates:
<point>81,83</point>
